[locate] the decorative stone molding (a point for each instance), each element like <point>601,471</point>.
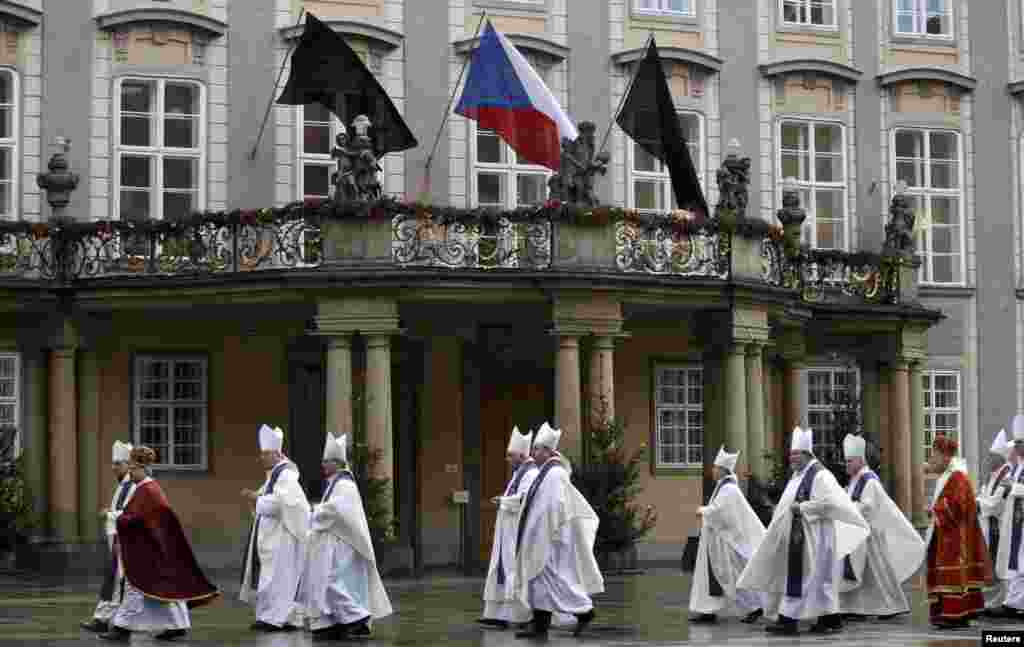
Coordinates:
<point>209,27</point>
<point>812,67</point>
<point>379,37</point>
<point>527,42</point>
<point>20,14</point>
<point>571,317</point>
<point>710,64</point>
<point>926,96</point>
<point>369,317</point>
<point>962,81</point>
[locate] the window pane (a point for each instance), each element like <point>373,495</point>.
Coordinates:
<point>489,148</point>
<point>136,130</point>
<point>316,138</point>
<point>316,180</point>
<point>909,143</point>
<point>136,171</point>
<point>177,205</point>
<point>6,88</point>
<point>822,12</point>
<point>795,155</point>
<point>316,112</point>
<point>531,190</point>
<point>829,209</point>
<point>181,99</point>
<point>647,194</point>
<point>945,211</point>
<point>181,173</point>
<point>137,96</point>
<point>690,125</point>
<point>181,132</point>
<point>490,189</point>
<point>644,161</point>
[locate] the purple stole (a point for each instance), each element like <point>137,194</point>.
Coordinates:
<point>254,571</point>
<point>795,573</point>
<point>714,587</point>
<point>526,467</point>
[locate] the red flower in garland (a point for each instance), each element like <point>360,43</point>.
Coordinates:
<point>553,204</point>
<point>377,212</point>
<point>104,230</point>
<point>312,203</point>
<point>247,217</point>
<point>40,230</point>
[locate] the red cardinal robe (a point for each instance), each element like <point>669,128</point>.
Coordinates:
<point>157,558</point>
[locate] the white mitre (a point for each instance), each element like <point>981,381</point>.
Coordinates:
<point>1018,428</point>
<point>803,440</point>
<point>547,437</point>
<point>999,445</point>
<point>725,459</point>
<point>335,448</point>
<point>518,442</point>
<point>121,452</point>
<point>853,446</point>
<point>271,440</point>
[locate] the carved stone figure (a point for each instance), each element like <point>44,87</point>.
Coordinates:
<point>899,233</point>
<point>574,183</point>
<point>356,176</point>
<point>343,179</point>
<point>733,179</point>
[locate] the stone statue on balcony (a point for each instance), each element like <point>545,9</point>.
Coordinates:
<point>574,183</point>
<point>343,179</point>
<point>733,179</point>
<point>356,175</point>
<point>899,233</point>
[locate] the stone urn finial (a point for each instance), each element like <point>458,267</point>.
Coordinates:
<point>59,182</point>
<point>791,215</point>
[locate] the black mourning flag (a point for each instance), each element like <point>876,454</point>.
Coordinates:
<point>325,70</point>
<point>649,117</point>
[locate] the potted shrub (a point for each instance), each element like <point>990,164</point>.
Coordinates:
<point>16,515</point>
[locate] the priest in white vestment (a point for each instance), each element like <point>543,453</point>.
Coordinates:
<point>275,553</point>
<point>873,575</point>
<point>555,571</point>
<point>798,565</point>
<point>342,592</point>
<point>1009,564</point>
<point>992,498</point>
<point>501,605</point>
<point>730,533</point>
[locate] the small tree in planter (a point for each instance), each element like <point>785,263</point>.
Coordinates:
<point>16,515</point>
<point>375,492</point>
<point>609,479</point>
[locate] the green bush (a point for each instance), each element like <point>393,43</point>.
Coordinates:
<point>375,492</point>
<point>16,513</point>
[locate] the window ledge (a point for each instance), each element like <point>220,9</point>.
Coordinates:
<point>678,54</point>
<point>210,26</point>
<point>672,19</point>
<point>964,82</point>
<point>22,14</point>
<point>385,38</point>
<point>679,472</point>
<point>529,42</point>
<point>955,291</point>
<point>831,68</point>
<point>827,31</point>
<point>925,41</point>
<point>519,6</point>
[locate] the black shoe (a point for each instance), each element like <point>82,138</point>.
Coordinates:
<point>951,624</point>
<point>825,628</point>
<point>288,627</point>
<point>856,617</point>
<point>96,626</point>
<point>170,634</point>
<point>784,626</point>
<point>538,628</point>
<point>753,616</point>
<point>582,620</point>
<point>892,616</point>
<point>704,619</point>
<point>334,632</point>
<point>359,628</point>
<point>491,622</point>
<point>117,634</point>
<point>265,627</point>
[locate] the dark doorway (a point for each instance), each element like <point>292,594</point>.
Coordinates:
<point>306,399</point>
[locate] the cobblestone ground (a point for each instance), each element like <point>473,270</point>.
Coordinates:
<point>648,609</point>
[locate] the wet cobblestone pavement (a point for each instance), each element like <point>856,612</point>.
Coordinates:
<point>647,609</point>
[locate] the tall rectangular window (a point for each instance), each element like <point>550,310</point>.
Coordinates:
<point>160,143</point>
<point>923,18</point>
<point>650,184</point>
<point>679,415</point>
<point>9,153</point>
<point>170,409</point>
<point>827,388</point>
<point>10,395</point>
<point>817,13</point>
<point>814,154</point>
<point>942,413</point>
<point>929,162</point>
<point>667,7</point>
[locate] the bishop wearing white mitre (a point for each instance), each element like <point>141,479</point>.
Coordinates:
<point>798,565</point>
<point>1009,565</point>
<point>501,606</point>
<point>874,573</point>
<point>275,553</point>
<point>730,533</point>
<point>992,498</point>
<point>342,589</point>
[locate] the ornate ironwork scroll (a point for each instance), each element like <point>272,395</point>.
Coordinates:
<point>503,245</point>
<point>664,249</point>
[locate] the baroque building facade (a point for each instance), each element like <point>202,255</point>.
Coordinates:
<point>434,355</point>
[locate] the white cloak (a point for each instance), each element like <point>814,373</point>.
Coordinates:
<point>1002,565</point>
<point>991,505</point>
<point>730,534</point>
<point>283,530</point>
<point>500,601</point>
<point>555,566</point>
<point>892,554</point>
<point>342,584</point>
<point>105,609</point>
<point>833,528</point>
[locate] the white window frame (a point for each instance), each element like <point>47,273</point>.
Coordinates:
<point>662,176</point>
<point>687,407</point>
<point>661,10</point>
<point>13,143</point>
<point>930,412</point>
<point>927,193</point>
<point>14,400</point>
<point>920,13</point>
<point>805,6</point>
<point>826,408</point>
<point>809,233</point>
<point>204,404</point>
<point>510,171</point>
<point>159,152</point>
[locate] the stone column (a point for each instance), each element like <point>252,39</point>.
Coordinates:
<point>602,379</point>
<point>900,433</point>
<point>917,502</point>
<point>755,410</point>
<point>92,457</point>
<point>736,405</point>
<point>339,385</point>
<point>793,397</point>
<point>63,445</point>
<point>567,395</point>
<point>378,404</point>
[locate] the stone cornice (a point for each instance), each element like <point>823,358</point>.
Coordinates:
<point>22,14</point>
<point>820,66</point>
<point>383,38</point>
<point>678,54</point>
<point>962,81</point>
<point>528,42</point>
<point>330,326</point>
<point>200,22</point>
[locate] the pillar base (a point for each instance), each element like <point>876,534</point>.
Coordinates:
<point>394,560</point>
<point>52,556</point>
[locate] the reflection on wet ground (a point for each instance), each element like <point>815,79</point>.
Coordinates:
<point>648,609</point>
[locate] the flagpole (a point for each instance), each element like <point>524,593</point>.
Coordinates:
<point>270,102</point>
<point>451,99</point>
<point>622,99</point>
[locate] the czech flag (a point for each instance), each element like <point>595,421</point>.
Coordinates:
<point>505,94</point>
